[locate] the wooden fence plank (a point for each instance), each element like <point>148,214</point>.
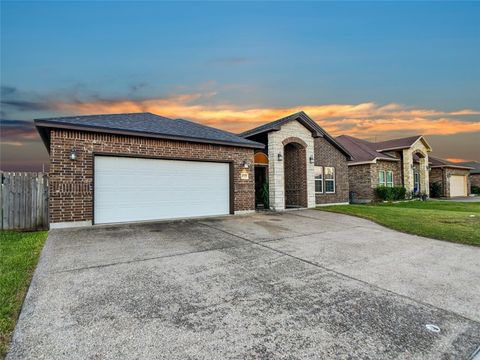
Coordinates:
<point>24,201</point>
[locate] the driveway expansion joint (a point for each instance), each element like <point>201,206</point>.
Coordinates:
<point>145,259</point>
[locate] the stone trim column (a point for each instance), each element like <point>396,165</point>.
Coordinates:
<point>276,183</point>
<point>407,170</point>
<point>424,176</point>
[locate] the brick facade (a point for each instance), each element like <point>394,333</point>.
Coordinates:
<point>363,179</point>
<point>442,176</point>
<point>71,182</point>
<point>295,170</point>
<point>360,181</point>
<point>474,180</point>
<point>436,176</point>
<point>328,155</point>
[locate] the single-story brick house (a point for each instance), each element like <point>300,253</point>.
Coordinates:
<point>397,162</point>
<point>474,176</point>
<point>400,162</point>
<point>452,177</point>
<point>139,167</point>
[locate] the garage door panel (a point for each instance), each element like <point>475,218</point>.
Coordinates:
<point>133,189</point>
<point>458,185</point>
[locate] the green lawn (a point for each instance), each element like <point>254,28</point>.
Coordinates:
<point>19,252</point>
<point>445,220</point>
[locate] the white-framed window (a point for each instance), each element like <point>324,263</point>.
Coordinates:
<point>389,182</point>
<point>329,175</point>
<point>381,178</point>
<point>318,179</point>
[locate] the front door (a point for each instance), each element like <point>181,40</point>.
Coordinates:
<point>261,187</point>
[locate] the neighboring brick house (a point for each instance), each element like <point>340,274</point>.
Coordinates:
<point>397,162</point>
<point>452,177</point>
<point>304,165</point>
<point>474,176</point>
<point>142,167</point>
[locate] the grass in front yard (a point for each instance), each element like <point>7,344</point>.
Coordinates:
<point>445,220</point>
<point>19,252</point>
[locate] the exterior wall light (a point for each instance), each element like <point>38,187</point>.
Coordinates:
<point>280,157</point>
<point>312,159</point>
<point>245,164</point>
<point>73,154</point>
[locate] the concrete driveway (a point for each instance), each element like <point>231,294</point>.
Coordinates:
<point>300,284</point>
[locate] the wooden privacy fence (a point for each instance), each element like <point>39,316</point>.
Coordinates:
<point>24,201</point>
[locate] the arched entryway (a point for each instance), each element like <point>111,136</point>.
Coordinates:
<point>420,172</point>
<point>295,174</point>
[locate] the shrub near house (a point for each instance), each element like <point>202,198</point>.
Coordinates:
<point>385,193</point>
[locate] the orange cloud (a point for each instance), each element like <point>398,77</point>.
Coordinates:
<point>364,119</point>
<point>456,160</point>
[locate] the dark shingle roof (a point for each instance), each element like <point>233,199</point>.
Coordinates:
<point>149,125</point>
<point>475,165</point>
<point>305,120</point>
<point>275,125</point>
<point>397,143</point>
<point>437,162</point>
<point>362,150</point>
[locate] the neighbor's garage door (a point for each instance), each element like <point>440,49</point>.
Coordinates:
<point>458,185</point>
<point>134,189</point>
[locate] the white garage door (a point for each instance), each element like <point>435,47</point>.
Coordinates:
<point>458,185</point>
<point>134,189</point>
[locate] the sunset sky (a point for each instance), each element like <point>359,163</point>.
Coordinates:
<point>372,70</point>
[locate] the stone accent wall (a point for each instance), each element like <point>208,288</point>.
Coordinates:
<point>295,175</point>
<point>276,169</point>
<point>407,156</point>
<point>328,155</point>
<point>360,181</point>
<point>71,182</point>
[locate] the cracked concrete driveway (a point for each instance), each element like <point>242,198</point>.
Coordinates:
<point>300,284</point>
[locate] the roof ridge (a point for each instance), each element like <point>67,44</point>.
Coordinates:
<point>401,138</point>
<point>104,114</point>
